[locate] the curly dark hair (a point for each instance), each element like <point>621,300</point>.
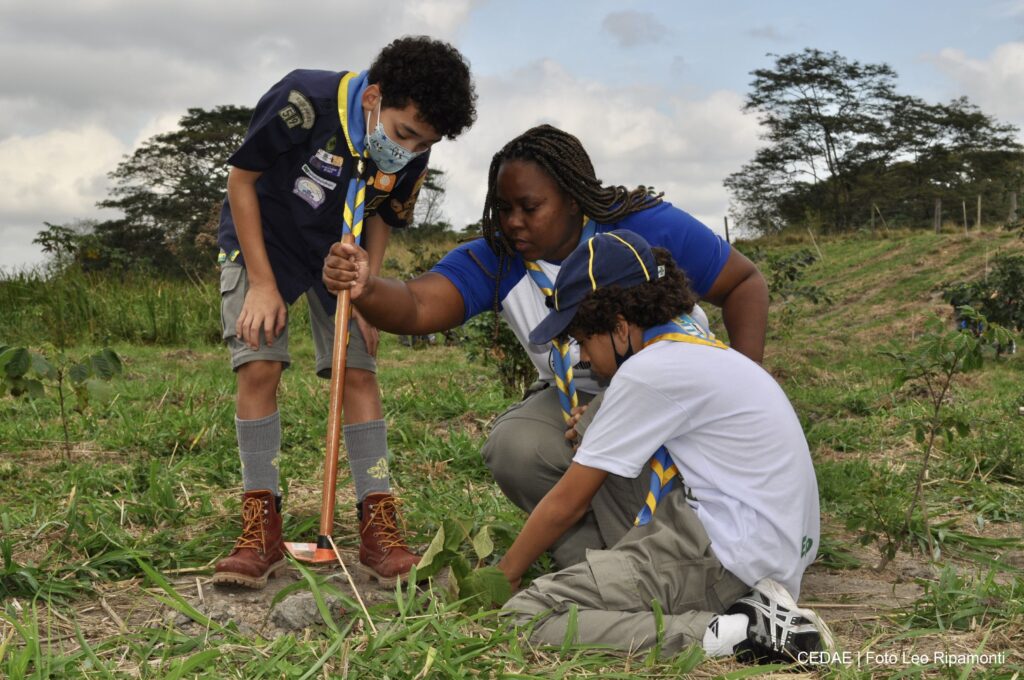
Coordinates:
<point>563,157</point>
<point>645,305</point>
<point>431,74</point>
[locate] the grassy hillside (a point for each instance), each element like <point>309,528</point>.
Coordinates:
<point>106,549</point>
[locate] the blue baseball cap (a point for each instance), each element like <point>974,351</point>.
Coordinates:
<point>615,258</point>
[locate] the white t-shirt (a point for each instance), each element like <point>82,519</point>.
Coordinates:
<point>738,445</point>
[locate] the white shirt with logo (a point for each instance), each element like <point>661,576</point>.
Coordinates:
<point>737,442</point>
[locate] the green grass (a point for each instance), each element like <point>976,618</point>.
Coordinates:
<point>151,486</point>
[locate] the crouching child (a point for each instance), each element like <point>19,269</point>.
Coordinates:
<point>720,538</point>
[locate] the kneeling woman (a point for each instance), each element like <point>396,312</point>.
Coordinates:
<point>544,199</point>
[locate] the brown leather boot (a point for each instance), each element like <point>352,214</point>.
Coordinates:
<point>259,551</point>
<point>383,553</point>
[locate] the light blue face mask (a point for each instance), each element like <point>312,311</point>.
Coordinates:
<point>389,156</point>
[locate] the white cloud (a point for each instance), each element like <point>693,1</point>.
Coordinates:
<point>56,175</point>
<point>996,83</point>
<point>92,79</point>
<point>434,17</point>
<point>631,28</point>
<point>159,124</point>
<point>767,32</point>
<point>634,136</point>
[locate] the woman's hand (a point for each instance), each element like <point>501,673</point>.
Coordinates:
<point>346,267</point>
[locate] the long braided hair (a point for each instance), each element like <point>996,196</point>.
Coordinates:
<point>563,158</point>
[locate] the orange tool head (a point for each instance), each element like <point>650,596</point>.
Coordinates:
<point>316,553</point>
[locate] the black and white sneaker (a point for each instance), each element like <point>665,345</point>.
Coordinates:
<point>778,630</point>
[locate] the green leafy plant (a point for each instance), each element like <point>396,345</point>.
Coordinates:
<point>25,373</point>
<point>962,602</point>
<point>998,296</point>
<point>786,286</point>
<point>492,343</point>
<point>931,364</point>
<point>479,586</point>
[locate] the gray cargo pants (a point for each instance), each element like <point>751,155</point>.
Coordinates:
<point>669,560</point>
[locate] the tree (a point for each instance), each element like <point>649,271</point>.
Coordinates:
<point>842,142</point>
<point>822,115</point>
<point>171,188</point>
<point>58,241</point>
<point>429,209</point>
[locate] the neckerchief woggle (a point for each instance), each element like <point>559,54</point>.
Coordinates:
<point>560,359</point>
<point>663,470</point>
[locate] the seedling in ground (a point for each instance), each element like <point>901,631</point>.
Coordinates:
<point>26,373</point>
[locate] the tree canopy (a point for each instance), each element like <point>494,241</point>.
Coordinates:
<point>171,188</point>
<point>843,143</point>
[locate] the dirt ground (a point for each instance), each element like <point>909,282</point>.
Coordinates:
<point>860,605</point>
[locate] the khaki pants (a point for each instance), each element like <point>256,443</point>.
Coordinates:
<point>527,453</point>
<point>668,560</point>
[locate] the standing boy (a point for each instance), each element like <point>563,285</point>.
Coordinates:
<point>723,552</point>
<point>311,136</point>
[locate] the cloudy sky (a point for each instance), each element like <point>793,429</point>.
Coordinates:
<point>652,87</point>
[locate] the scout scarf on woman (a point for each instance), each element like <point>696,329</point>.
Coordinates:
<point>561,362</point>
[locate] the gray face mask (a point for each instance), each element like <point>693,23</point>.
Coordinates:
<point>389,156</point>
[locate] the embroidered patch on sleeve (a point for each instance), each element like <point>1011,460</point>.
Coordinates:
<point>291,116</point>
<point>304,107</point>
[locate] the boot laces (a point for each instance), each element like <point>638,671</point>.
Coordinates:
<point>384,518</point>
<point>252,525</point>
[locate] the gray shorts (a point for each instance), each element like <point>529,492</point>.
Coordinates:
<point>234,283</point>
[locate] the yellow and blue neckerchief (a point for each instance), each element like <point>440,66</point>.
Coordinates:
<point>350,90</point>
<point>663,470</point>
<point>560,359</point>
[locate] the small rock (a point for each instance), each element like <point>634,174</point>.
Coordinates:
<point>299,611</point>
<point>922,571</point>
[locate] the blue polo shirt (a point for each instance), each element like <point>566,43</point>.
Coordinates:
<point>306,137</point>
<point>473,267</point>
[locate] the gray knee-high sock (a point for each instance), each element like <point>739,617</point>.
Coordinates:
<point>367,446</point>
<point>258,443</point>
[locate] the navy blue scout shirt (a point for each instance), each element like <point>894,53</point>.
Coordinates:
<point>306,137</point>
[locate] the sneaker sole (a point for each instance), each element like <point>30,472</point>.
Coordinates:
<point>773,590</point>
<point>254,582</point>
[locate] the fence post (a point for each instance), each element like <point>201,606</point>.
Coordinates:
<point>726,220</point>
<point>881,217</point>
<point>1013,207</point>
<point>937,219</point>
<point>821,255</point>
<point>977,222</point>
<point>964,202</point>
